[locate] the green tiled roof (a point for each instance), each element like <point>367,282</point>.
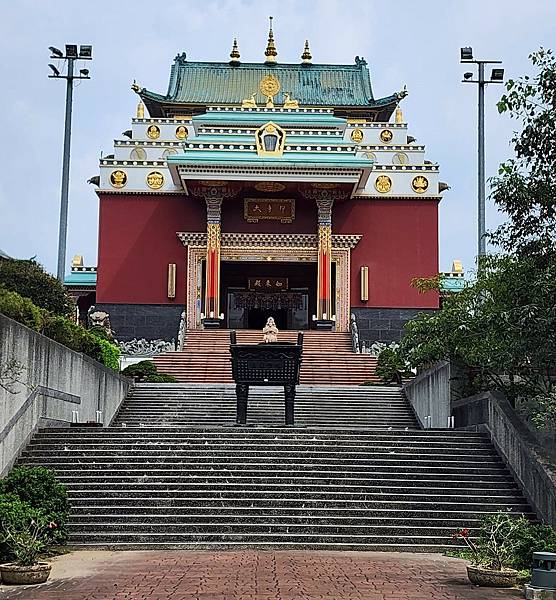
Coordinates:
<point>81,278</point>
<point>208,83</point>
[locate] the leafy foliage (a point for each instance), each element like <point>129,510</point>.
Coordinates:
<point>392,367</point>
<point>27,539</point>
<point>146,372</point>
<point>160,378</point>
<point>20,309</point>
<point>505,540</point>
<point>28,279</point>
<point>526,186</point>
<point>38,488</point>
<point>109,354</point>
<point>140,370</point>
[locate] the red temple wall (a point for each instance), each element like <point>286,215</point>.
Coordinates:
<point>137,240</point>
<point>400,242</point>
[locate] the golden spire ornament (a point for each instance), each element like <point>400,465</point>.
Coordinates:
<point>306,56</point>
<point>399,115</point>
<point>234,54</point>
<point>140,110</point>
<point>270,51</point>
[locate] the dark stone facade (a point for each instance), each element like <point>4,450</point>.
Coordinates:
<point>384,324</point>
<point>149,321</point>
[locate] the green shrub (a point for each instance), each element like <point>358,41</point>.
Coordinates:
<point>28,279</point>
<point>101,333</point>
<point>109,355</point>
<point>392,367</point>
<point>160,378</point>
<point>140,370</point>
<point>16,514</point>
<point>532,537</point>
<point>20,309</point>
<point>38,488</point>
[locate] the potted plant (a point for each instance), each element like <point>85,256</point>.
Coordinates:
<point>26,539</point>
<point>492,551</point>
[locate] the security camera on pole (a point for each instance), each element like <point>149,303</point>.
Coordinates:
<point>497,76</point>
<point>71,55</point>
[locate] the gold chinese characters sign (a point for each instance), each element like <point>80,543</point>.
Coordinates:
<point>118,179</point>
<point>383,184</point>
<point>420,184</point>
<point>255,209</point>
<point>267,284</point>
<point>155,180</point>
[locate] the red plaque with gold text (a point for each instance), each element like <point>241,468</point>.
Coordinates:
<point>255,209</point>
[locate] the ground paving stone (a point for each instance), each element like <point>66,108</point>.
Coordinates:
<point>256,575</point>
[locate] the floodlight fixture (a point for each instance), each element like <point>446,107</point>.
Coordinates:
<point>71,50</point>
<point>84,72</point>
<point>54,70</point>
<point>467,75</point>
<point>86,51</point>
<point>466,53</point>
<point>497,75</point>
<point>56,52</point>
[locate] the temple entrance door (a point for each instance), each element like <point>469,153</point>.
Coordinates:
<point>254,291</point>
<point>257,317</point>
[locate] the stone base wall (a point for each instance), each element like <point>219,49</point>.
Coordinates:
<point>149,321</point>
<point>384,324</point>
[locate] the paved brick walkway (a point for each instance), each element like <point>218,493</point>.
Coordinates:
<point>256,575</point>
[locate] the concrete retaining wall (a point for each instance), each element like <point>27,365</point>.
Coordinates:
<point>530,464</point>
<point>54,382</point>
<point>429,395</point>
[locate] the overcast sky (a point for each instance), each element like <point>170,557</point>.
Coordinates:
<point>406,42</point>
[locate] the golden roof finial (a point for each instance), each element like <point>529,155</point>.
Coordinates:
<point>234,54</point>
<point>399,115</point>
<point>140,110</point>
<point>270,51</point>
<point>306,56</point>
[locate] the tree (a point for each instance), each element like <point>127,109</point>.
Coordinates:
<point>525,188</point>
<point>28,279</point>
<point>502,327</point>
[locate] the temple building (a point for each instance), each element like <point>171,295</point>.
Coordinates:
<point>263,189</point>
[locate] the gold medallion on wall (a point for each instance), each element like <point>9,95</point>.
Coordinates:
<point>383,184</point>
<point>357,136</point>
<point>118,179</point>
<point>153,132</point>
<point>181,132</point>
<point>420,184</point>
<point>155,180</point>
<point>386,136</point>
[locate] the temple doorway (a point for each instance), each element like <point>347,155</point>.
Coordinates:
<point>253,291</point>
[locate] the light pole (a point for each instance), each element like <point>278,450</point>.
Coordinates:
<point>71,55</point>
<point>497,76</point>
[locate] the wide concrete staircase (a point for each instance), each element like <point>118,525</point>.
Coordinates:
<point>328,358</point>
<point>355,473</point>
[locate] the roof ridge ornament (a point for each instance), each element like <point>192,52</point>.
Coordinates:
<point>306,57</point>
<point>234,54</point>
<point>270,51</point>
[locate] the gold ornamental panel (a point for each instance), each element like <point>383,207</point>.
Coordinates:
<point>155,180</point>
<point>270,186</point>
<point>153,132</point>
<point>420,184</point>
<point>269,86</point>
<point>383,184</point>
<point>386,136</point>
<point>118,179</point>
<point>357,136</point>
<point>181,132</point>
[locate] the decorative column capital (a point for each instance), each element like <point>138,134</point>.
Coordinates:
<point>214,209</point>
<point>324,194</point>
<point>213,193</point>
